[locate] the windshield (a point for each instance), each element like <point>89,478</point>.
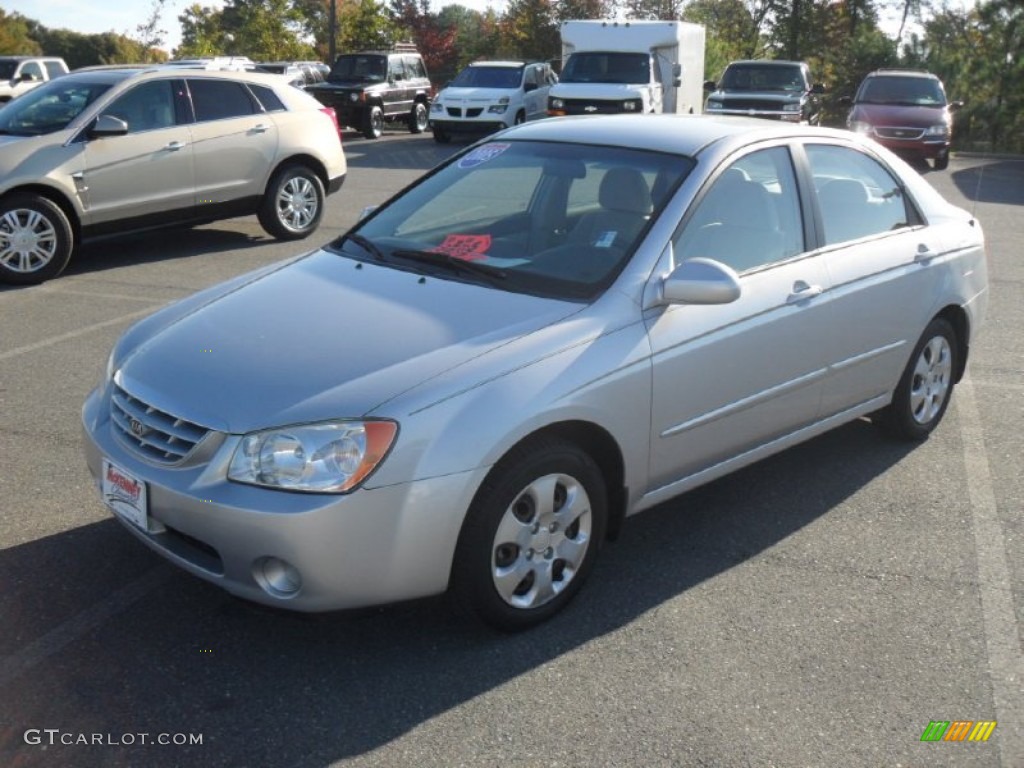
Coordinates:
<point>359,68</point>
<point>759,77</point>
<point>488,77</point>
<point>905,91</point>
<point>607,67</point>
<point>548,219</point>
<point>50,107</point>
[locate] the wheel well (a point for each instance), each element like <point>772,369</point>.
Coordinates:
<point>307,160</point>
<point>602,448</point>
<point>957,317</point>
<point>57,199</point>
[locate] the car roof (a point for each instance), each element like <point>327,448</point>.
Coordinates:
<point>678,134</point>
<point>770,62</point>
<point>118,72</point>
<point>502,63</point>
<point>904,73</point>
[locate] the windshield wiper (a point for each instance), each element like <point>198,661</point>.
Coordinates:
<point>365,244</point>
<point>453,263</point>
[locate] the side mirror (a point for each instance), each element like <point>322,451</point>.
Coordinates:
<point>700,281</point>
<point>527,87</point>
<point>29,77</point>
<point>710,85</point>
<point>953,107</point>
<point>108,125</point>
<point>677,70</point>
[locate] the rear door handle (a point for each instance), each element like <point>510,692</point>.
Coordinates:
<point>261,128</point>
<point>174,146</point>
<point>803,291</point>
<point>924,254</point>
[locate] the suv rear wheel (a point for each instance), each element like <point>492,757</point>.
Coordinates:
<point>293,204</point>
<point>36,239</point>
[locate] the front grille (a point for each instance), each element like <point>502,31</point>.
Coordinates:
<point>745,105</point>
<point>592,107</point>
<point>899,133</point>
<point>155,434</point>
<point>454,112</point>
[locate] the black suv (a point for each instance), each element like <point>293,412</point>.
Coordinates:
<point>370,88</point>
<point>778,90</point>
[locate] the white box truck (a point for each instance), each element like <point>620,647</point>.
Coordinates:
<point>610,67</point>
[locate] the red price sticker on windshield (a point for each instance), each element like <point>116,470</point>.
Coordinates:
<point>468,247</point>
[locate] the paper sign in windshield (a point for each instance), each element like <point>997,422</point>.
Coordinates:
<point>468,247</point>
<point>483,154</point>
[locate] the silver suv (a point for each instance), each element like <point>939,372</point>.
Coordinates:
<point>114,150</point>
<point>20,74</point>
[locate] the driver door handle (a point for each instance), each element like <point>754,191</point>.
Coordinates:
<point>803,291</point>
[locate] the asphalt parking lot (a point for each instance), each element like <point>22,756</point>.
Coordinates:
<point>818,609</point>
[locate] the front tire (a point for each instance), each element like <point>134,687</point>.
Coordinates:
<point>941,162</point>
<point>293,203</point>
<point>373,128</point>
<point>531,536</point>
<point>441,136</point>
<point>418,118</point>
<point>925,389</point>
<point>36,239</point>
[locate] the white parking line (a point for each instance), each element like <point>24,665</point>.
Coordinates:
<point>1005,660</point>
<point>76,333</point>
<point>64,634</point>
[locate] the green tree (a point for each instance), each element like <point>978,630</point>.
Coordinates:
<point>15,37</point>
<point>529,30</point>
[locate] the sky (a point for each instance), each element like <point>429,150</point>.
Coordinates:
<point>124,16</point>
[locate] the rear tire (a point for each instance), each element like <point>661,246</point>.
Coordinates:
<point>531,535</point>
<point>293,203</point>
<point>926,387</point>
<point>36,239</point>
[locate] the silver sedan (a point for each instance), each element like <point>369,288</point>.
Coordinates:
<point>562,326</point>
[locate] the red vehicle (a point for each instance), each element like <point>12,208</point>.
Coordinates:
<point>906,111</point>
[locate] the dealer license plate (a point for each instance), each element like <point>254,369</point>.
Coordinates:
<point>125,494</point>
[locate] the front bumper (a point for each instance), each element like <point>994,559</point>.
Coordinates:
<point>917,148</point>
<point>766,114</point>
<point>370,547</point>
<point>468,125</point>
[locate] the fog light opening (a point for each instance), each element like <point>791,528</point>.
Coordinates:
<point>277,577</point>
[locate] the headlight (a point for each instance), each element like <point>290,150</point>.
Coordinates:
<point>353,96</point>
<point>937,130</point>
<point>556,103</point>
<point>860,127</point>
<point>497,109</point>
<point>632,106</point>
<point>437,106</point>
<point>333,457</point>
<point>791,107</point>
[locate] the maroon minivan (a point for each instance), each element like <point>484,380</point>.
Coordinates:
<point>906,111</point>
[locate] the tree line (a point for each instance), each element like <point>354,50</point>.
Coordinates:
<point>978,51</point>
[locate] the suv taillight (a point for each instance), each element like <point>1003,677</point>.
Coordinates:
<point>329,111</point>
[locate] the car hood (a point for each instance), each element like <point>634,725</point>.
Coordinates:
<point>894,114</point>
<point>323,337</point>
<point>475,94</point>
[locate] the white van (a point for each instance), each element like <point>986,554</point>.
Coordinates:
<point>487,96</point>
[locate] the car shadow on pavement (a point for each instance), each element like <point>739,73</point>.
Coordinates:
<point>413,152</point>
<point>161,245</point>
<point>272,688</point>
<point>1001,181</point>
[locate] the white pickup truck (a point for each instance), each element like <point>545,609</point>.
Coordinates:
<point>23,73</point>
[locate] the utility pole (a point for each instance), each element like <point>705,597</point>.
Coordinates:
<point>332,31</point>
